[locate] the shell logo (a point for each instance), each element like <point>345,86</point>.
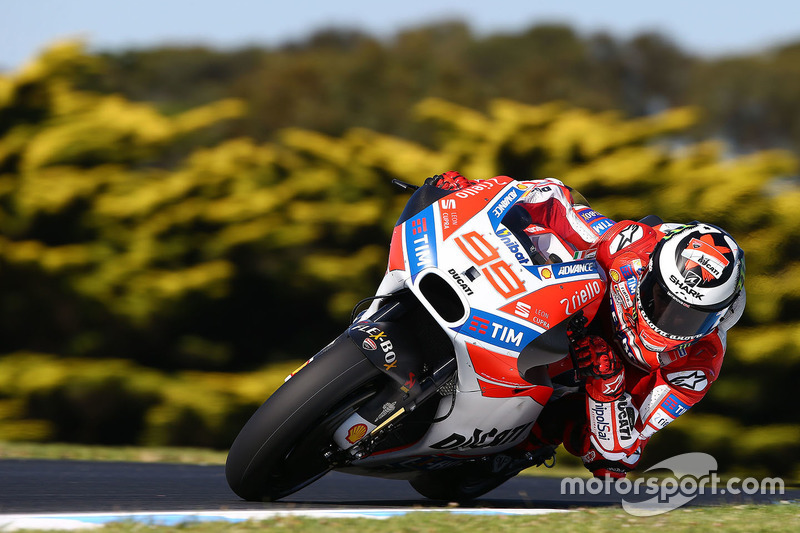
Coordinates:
<point>356,433</point>
<point>614,275</point>
<point>546,273</point>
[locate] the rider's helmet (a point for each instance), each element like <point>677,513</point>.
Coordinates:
<point>695,275</point>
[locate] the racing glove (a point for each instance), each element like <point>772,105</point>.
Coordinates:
<point>450,181</point>
<point>600,368</point>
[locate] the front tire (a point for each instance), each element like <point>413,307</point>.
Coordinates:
<point>279,450</point>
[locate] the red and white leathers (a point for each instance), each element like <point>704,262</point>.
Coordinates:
<point>662,379</point>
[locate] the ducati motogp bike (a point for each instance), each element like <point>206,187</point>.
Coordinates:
<point>440,379</point>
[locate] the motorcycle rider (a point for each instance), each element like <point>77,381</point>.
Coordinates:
<point>674,291</point>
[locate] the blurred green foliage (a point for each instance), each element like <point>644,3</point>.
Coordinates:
<point>339,78</point>
<point>49,398</point>
<point>149,274</point>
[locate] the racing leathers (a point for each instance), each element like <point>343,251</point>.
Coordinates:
<point>633,383</point>
<point>657,382</point>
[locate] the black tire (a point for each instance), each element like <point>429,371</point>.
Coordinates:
<point>279,450</point>
<point>458,484</point>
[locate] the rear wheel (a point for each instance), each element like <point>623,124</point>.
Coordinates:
<point>468,481</point>
<point>458,484</point>
<point>280,449</point>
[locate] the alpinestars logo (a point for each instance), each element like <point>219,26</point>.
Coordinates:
<point>695,380</point>
<point>611,387</point>
<point>627,236</point>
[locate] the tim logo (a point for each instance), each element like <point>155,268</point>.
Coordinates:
<point>674,406</point>
<point>626,271</point>
<point>601,226</point>
<point>479,325</point>
<point>420,241</point>
<point>419,225</point>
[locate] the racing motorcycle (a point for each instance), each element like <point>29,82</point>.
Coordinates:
<point>440,379</point>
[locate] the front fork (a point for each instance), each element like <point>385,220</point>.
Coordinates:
<point>358,436</point>
<point>416,371</point>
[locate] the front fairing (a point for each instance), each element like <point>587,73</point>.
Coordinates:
<point>504,314</point>
<point>506,301</point>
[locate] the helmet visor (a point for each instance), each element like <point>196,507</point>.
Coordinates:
<point>671,318</point>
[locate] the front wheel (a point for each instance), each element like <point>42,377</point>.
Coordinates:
<point>280,449</point>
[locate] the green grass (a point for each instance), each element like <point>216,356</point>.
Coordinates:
<point>740,518</point>
<point>79,452</point>
<point>744,518</point>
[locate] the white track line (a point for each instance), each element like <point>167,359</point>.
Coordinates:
<point>62,521</point>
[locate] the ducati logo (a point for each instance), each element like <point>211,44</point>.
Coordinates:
<point>708,256</point>
<point>369,344</point>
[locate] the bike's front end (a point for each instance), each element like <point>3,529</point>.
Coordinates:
<point>445,372</point>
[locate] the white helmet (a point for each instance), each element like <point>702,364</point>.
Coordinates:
<point>696,272</point>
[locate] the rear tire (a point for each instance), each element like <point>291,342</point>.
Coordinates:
<point>458,484</point>
<point>279,450</point>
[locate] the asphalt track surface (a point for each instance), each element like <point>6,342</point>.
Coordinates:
<point>49,486</point>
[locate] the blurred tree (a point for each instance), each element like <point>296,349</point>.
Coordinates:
<point>751,100</point>
<point>124,234</point>
<point>144,250</point>
<point>338,78</point>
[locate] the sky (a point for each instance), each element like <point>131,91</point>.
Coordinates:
<point>704,27</point>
